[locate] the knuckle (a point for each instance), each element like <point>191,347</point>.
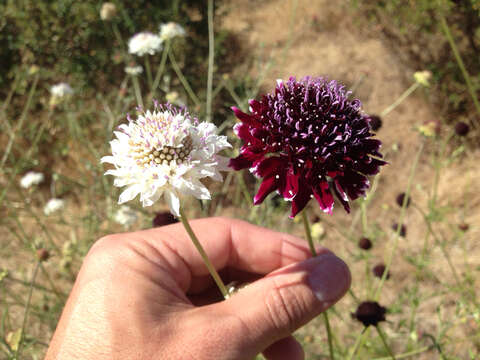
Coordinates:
<point>286,308</point>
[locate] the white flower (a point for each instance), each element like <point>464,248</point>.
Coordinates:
<point>61,90</point>
<point>125,216</point>
<point>165,152</point>
<point>170,30</point>
<point>173,98</point>
<point>31,178</point>
<point>144,43</point>
<point>134,70</point>
<point>53,205</point>
<point>423,77</point>
<point>108,11</point>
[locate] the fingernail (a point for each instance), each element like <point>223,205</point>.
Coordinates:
<point>329,278</point>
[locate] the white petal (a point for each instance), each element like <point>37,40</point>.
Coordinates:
<point>108,159</point>
<point>173,202</point>
<point>129,193</point>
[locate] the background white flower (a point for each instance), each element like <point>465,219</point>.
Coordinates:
<point>134,70</point>
<point>144,43</point>
<point>166,152</point>
<point>53,205</point>
<point>125,216</point>
<point>108,11</point>
<point>31,178</point>
<point>170,30</point>
<point>61,90</point>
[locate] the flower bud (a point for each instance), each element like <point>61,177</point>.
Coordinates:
<point>370,313</point>
<point>365,243</point>
<point>108,11</point>
<point>462,129</point>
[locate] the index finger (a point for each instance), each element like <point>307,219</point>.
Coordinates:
<point>227,242</point>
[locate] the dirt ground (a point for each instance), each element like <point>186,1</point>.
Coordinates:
<point>325,38</point>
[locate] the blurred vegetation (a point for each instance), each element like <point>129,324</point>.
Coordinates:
<point>68,41</point>
<point>418,37</point>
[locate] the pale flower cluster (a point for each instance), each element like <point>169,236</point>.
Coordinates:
<point>108,11</point>
<point>144,43</point>
<point>61,90</point>
<point>30,179</point>
<point>125,216</point>
<point>165,153</point>
<point>170,30</point>
<point>134,70</point>
<point>53,205</point>
<point>423,77</point>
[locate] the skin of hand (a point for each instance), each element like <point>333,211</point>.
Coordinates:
<point>148,295</point>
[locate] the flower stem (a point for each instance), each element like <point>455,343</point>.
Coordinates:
<point>400,99</point>
<point>382,336</point>
<point>308,234</point>
<point>138,93</point>
<point>459,60</point>
<point>203,254</point>
<point>182,78</point>
<point>211,53</point>
<point>400,222</point>
<point>149,73</point>
<point>27,308</point>
<point>161,67</point>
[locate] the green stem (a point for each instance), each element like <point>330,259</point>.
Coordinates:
<point>148,70</point>
<point>400,222</point>
<point>400,99</point>
<point>407,354</point>
<point>308,234</point>
<point>161,67</point>
<point>384,340</point>
<point>183,80</point>
<point>461,65</point>
<point>203,254</point>
<point>118,35</point>
<point>211,53</point>
<point>138,93</point>
<point>244,188</point>
<point>27,308</point>
<point>358,343</point>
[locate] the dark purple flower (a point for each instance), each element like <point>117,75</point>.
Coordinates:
<point>461,128</point>
<point>43,254</point>
<point>464,226</point>
<point>378,271</point>
<point>164,218</point>
<point>365,243</point>
<point>402,231</point>
<point>307,139</point>
<point>370,313</point>
<point>375,122</point>
<point>401,198</point>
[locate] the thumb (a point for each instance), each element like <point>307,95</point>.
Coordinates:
<point>272,308</point>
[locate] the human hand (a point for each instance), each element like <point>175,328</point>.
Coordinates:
<point>135,296</point>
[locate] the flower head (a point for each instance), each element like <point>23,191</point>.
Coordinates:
<point>423,77</point>
<point>144,43</point>
<point>370,313</point>
<point>125,216</point>
<point>375,122</point>
<point>134,70</point>
<point>170,30</point>
<point>379,269</point>
<point>403,198</point>
<point>402,229</point>
<point>365,243</point>
<point>53,205</point>
<point>108,11</point>
<point>307,139</point>
<point>30,179</point>
<point>163,218</point>
<point>165,152</point>
<point>61,90</point>
<point>462,129</point>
